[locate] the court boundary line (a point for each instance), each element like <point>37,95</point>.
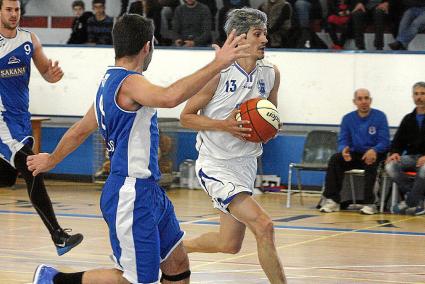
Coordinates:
<point>280,227</point>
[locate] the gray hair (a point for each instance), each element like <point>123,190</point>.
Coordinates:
<point>243,19</point>
<point>418,84</point>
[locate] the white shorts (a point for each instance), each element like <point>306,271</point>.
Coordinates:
<point>224,179</point>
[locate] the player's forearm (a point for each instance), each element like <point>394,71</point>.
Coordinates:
<point>188,86</point>
<point>200,122</point>
<point>71,140</point>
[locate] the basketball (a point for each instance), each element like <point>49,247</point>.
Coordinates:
<point>264,119</point>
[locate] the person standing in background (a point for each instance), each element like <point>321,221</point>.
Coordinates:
<point>79,25</point>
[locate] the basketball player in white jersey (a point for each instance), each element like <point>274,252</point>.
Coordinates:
<point>17,48</point>
<point>144,232</point>
<point>227,164</point>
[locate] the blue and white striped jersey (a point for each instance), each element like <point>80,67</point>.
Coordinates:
<point>15,69</point>
<point>131,137</point>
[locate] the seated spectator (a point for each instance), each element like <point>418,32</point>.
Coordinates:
<point>363,141</point>
<point>363,12</point>
<point>167,13</point>
<point>212,5</point>
<point>412,22</point>
<point>99,27</point>
<point>408,154</point>
<point>124,6</point>
<point>79,25</point>
<point>338,19</point>
<point>192,24</point>
<point>304,12</point>
<point>150,9</point>
<point>228,5</point>
<point>23,5</point>
<point>279,14</point>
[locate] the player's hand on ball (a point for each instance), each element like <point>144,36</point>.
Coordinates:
<point>39,163</point>
<point>240,129</point>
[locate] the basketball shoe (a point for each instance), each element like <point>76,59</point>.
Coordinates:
<point>44,274</point>
<point>64,242</point>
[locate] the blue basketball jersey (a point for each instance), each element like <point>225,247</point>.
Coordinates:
<point>131,137</point>
<point>15,69</point>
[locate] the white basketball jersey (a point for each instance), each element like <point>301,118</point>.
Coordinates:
<point>235,86</point>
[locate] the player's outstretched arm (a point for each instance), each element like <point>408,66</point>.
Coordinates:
<point>145,93</point>
<point>73,138</point>
<point>50,71</point>
<point>190,117</point>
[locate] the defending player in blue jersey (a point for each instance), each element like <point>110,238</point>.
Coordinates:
<point>17,48</point>
<point>144,233</point>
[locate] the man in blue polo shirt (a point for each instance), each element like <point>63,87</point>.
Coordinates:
<point>363,142</point>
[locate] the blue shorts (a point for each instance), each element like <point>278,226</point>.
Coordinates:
<point>143,228</point>
<point>14,134</point>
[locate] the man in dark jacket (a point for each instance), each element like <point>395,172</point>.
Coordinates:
<point>79,25</point>
<point>408,154</point>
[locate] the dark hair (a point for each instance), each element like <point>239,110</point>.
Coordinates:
<point>98,2</point>
<point>77,3</point>
<point>130,33</point>
<point>1,2</point>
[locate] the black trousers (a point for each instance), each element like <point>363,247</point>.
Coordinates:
<point>332,30</point>
<point>35,186</point>
<point>8,174</point>
<point>337,166</point>
<point>360,22</point>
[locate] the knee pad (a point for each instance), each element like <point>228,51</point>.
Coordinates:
<point>175,278</point>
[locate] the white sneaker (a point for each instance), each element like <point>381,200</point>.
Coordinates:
<point>369,209</point>
<point>330,206</point>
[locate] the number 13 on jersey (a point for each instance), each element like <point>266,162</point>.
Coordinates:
<point>230,86</point>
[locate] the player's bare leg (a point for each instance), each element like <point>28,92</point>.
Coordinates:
<point>227,240</point>
<point>248,211</point>
<point>175,269</point>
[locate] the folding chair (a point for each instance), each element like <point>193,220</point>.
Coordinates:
<point>351,174</point>
<point>319,146</point>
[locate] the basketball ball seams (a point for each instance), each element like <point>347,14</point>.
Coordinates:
<point>253,127</point>
<point>263,116</point>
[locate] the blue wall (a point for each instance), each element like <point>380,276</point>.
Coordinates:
<point>278,153</point>
<point>80,162</point>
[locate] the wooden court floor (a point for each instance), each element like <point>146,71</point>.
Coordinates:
<point>343,247</point>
